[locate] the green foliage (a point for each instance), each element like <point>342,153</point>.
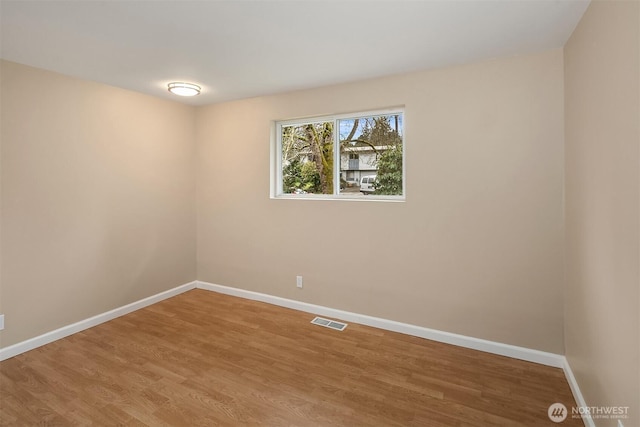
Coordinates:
<point>300,176</point>
<point>379,132</point>
<point>310,178</point>
<point>389,179</point>
<point>307,152</point>
<point>292,176</point>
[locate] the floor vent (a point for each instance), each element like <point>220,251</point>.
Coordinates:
<point>332,324</point>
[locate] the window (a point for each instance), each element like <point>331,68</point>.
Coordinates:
<point>343,157</point>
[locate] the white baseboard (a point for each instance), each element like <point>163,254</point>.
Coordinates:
<point>522,353</point>
<point>30,344</point>
<point>575,389</point>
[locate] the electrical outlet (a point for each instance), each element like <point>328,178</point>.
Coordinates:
<point>1,322</point>
<point>299,281</point>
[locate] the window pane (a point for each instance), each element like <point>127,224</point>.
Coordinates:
<point>307,158</point>
<point>371,147</point>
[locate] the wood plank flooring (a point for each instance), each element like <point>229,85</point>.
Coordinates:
<point>205,359</point>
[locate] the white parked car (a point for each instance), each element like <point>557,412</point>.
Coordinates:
<point>367,184</point>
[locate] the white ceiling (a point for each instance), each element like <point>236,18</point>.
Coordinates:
<point>238,49</point>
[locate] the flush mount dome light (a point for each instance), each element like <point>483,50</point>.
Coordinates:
<point>184,89</point>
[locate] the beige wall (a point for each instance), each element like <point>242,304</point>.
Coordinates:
<point>1,299</point>
<point>602,107</point>
<point>98,191</point>
<point>476,249</point>
<point>97,203</point>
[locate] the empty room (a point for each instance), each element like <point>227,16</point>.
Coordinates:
<point>320,213</point>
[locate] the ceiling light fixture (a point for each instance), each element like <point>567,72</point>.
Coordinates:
<point>184,89</point>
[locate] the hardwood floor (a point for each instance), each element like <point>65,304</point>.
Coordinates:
<point>206,359</point>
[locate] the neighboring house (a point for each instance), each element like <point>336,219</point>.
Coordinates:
<point>358,161</point>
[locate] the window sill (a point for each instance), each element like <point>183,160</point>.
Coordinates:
<point>346,198</point>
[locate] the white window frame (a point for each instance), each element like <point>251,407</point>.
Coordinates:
<point>276,157</point>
